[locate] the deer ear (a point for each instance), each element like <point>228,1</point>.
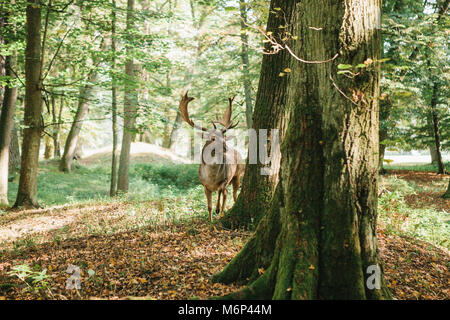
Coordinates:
<point>190,99</point>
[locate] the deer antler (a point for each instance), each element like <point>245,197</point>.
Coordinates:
<point>185,99</point>
<point>227,117</point>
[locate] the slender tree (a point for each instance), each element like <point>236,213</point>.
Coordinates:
<point>318,237</point>
<point>6,128</point>
<point>129,106</point>
<point>245,63</point>
<point>86,93</point>
<point>115,131</point>
<point>27,192</point>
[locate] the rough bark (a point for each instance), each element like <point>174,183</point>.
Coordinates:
<point>27,192</point>
<point>269,113</point>
<point>6,127</point>
<point>129,109</point>
<point>329,167</point>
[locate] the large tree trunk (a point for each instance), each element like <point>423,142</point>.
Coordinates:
<point>85,94</point>
<point>115,129</point>
<point>326,201</point>
<point>27,193</point>
<point>6,128</point>
<point>129,110</point>
<point>270,112</point>
<point>245,63</point>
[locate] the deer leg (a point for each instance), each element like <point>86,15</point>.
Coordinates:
<point>224,199</point>
<point>236,183</point>
<point>218,201</point>
<point>209,198</point>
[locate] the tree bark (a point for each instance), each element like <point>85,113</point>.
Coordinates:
<point>129,109</point>
<point>14,151</point>
<point>56,127</point>
<point>433,154</point>
<point>27,192</point>
<point>115,129</point>
<point>6,128</point>
<point>436,133</point>
<point>446,195</point>
<point>85,94</point>
<point>269,113</point>
<point>326,243</point>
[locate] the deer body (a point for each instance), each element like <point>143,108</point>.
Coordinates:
<point>220,168</point>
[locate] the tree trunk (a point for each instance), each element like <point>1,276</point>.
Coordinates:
<point>27,193</point>
<point>85,94</point>
<point>245,63</point>
<point>436,133</point>
<point>385,111</point>
<point>48,150</point>
<point>446,195</point>
<point>129,109</point>
<point>6,128</point>
<point>257,190</point>
<point>56,127</point>
<point>115,131</point>
<point>326,246</point>
<point>433,154</point>
<point>14,151</point>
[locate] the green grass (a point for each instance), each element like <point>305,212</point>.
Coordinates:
<point>415,167</point>
<point>91,183</point>
<point>426,224</point>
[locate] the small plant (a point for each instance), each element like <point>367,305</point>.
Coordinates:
<point>36,281</point>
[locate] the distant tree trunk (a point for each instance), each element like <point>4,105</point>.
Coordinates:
<point>245,63</point>
<point>270,112</point>
<point>318,238</point>
<point>27,193</point>
<point>385,111</point>
<point>56,127</point>
<point>129,109</point>
<point>446,195</point>
<point>14,151</point>
<point>48,147</point>
<point>433,154</point>
<point>85,94</point>
<point>115,129</point>
<point>435,120</point>
<point>6,128</point>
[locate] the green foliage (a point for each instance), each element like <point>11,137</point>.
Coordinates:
<point>430,167</point>
<point>426,224</point>
<point>35,279</point>
<point>415,41</point>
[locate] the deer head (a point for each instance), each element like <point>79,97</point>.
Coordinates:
<point>212,133</point>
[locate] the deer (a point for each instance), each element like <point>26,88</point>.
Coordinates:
<point>226,166</point>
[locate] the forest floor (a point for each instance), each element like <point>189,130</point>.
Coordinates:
<point>129,249</point>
